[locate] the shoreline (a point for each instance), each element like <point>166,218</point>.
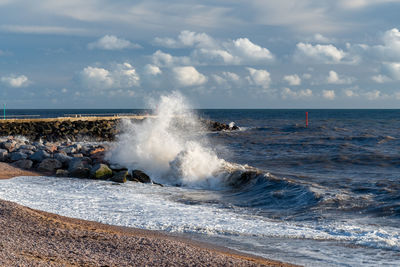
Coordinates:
<point>55,240</point>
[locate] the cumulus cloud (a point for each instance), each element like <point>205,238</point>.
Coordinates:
<point>321,39</point>
<point>227,79</point>
<point>292,79</point>
<point>350,93</point>
<point>208,51</point>
<point>247,50</point>
<point>188,76</point>
<point>326,54</point>
<point>259,77</point>
<point>112,42</point>
<point>162,59</point>
<point>380,78</point>
<point>186,39</point>
<point>288,93</point>
<point>333,78</point>
<point>16,81</point>
<point>117,76</point>
<point>152,70</point>
<point>373,95</point>
<point>328,94</point>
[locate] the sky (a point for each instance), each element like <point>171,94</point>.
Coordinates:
<point>218,54</point>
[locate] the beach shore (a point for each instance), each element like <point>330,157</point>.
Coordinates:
<point>31,237</point>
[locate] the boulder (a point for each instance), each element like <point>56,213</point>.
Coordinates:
<point>63,158</point>
<point>79,167</point>
<point>39,156</point>
<point>68,150</point>
<point>28,147</point>
<point>120,177</point>
<point>15,156</point>
<point>9,145</point>
<point>139,176</point>
<point>26,151</point>
<point>23,164</point>
<point>49,165</point>
<point>100,171</point>
<point>62,173</point>
<point>3,154</point>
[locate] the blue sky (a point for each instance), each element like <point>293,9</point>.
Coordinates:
<point>219,54</point>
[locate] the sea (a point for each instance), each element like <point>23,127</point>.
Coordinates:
<point>323,195</point>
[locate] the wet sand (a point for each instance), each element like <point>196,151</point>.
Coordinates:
<point>35,238</point>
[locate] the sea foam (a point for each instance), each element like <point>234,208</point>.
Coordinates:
<point>171,146</point>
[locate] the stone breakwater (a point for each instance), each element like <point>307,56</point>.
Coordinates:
<point>73,129</point>
<point>49,146</point>
<point>66,159</point>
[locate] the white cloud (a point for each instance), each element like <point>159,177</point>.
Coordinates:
<point>152,70</point>
<point>226,78</point>
<point>319,38</point>
<point>208,51</point>
<point>162,59</point>
<point>333,78</point>
<point>307,76</point>
<point>16,81</point>
<point>188,76</point>
<point>380,78</point>
<point>373,95</point>
<point>112,42</point>
<point>187,39</point>
<point>328,94</point>
<point>118,76</point>
<point>288,93</point>
<point>327,54</point>
<point>247,50</point>
<point>261,78</point>
<point>293,79</point>
<point>350,93</point>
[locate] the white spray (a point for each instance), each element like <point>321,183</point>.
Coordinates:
<point>171,147</point>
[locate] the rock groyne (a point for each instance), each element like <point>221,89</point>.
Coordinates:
<point>80,128</point>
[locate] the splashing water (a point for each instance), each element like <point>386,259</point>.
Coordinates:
<point>171,147</point>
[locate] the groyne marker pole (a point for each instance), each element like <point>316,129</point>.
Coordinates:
<point>306,119</point>
<point>4,109</point>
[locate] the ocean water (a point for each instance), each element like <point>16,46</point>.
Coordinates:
<point>326,195</point>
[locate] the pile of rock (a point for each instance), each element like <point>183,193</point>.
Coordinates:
<point>66,160</point>
<point>55,130</point>
<point>95,129</point>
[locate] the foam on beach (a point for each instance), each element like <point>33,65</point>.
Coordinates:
<point>164,208</point>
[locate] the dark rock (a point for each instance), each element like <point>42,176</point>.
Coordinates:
<point>9,145</point>
<point>100,171</point>
<point>120,177</point>
<point>39,156</point>
<point>15,156</point>
<point>28,147</point>
<point>79,167</point>
<point>26,151</point>
<point>3,154</point>
<point>139,176</point>
<point>49,165</point>
<point>62,173</point>
<point>23,164</point>
<point>62,157</point>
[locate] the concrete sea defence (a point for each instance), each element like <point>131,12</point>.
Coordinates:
<point>79,128</point>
